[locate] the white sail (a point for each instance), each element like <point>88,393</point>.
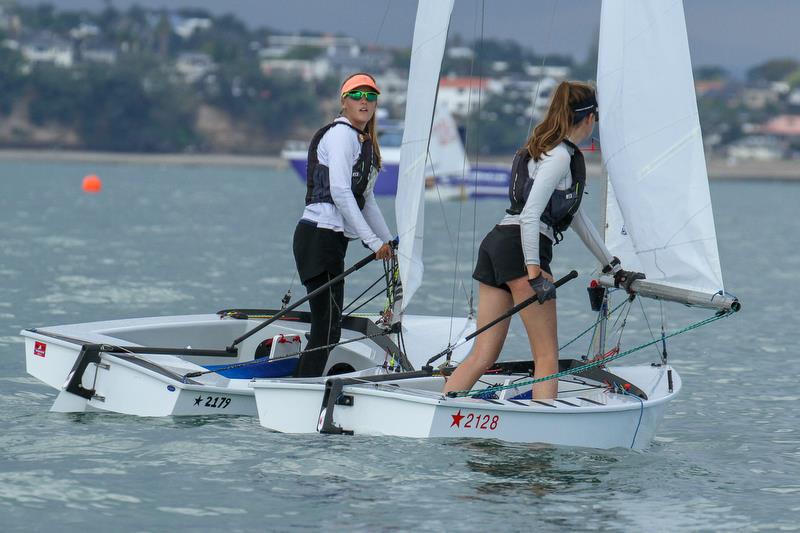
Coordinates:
<point>659,212</point>
<point>427,50</point>
<point>447,155</point>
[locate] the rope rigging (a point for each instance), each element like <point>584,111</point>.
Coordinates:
<point>599,361</point>
<point>354,300</point>
<point>263,360</point>
<point>393,292</point>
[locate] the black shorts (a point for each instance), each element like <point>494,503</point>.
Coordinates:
<point>500,257</point>
<point>317,250</point>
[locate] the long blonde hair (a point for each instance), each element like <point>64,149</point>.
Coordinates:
<point>372,126</point>
<point>559,119</point>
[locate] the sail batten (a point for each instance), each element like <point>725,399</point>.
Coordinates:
<point>659,215</point>
<point>427,50</point>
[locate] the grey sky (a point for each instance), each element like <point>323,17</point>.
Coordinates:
<point>733,33</point>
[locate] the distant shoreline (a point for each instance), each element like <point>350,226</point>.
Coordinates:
<point>268,161</point>
<point>718,168</point>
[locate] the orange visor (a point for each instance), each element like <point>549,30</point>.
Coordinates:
<point>359,80</point>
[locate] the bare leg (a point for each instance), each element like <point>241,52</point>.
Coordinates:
<point>540,324</point>
<point>492,303</point>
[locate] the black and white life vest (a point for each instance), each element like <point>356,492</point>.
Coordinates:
<point>563,204</point>
<point>318,185</point>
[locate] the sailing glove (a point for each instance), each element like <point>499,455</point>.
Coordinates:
<point>624,279</point>
<point>543,287</point>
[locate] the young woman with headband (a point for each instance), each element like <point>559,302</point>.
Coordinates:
<point>547,183</point>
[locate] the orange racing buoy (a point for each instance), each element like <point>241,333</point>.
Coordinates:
<point>91,184</point>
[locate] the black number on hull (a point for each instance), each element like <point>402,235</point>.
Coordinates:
<point>217,402</point>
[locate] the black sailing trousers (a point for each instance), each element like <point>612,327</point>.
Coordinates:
<point>326,327</point>
<point>319,254</point>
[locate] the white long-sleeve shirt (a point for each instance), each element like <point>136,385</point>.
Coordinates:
<point>552,172</point>
<point>339,150</point>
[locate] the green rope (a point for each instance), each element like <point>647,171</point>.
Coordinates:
<point>599,362</point>
<point>587,330</point>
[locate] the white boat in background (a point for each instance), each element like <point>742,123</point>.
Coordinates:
<point>660,222</point>
<point>449,175</point>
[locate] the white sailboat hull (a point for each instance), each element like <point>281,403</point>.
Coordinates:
<point>125,387</point>
<point>415,409</point>
<point>143,385</point>
<point>153,384</point>
<point>289,407</point>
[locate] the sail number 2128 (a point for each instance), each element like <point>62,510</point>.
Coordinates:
<point>475,421</point>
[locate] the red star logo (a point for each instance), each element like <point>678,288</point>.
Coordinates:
<point>457,419</point>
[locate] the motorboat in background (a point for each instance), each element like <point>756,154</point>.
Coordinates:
<point>449,175</point>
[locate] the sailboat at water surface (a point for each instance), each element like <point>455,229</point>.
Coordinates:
<point>660,222</point>
<point>204,364</point>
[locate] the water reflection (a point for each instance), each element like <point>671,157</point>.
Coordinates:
<point>725,458</point>
<point>538,469</point>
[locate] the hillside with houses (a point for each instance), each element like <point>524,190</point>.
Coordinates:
<point>159,81</point>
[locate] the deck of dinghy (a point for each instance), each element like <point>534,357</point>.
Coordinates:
<point>597,379</point>
<point>365,326</point>
<point>90,351</point>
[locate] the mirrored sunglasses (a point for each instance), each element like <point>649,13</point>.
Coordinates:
<point>371,96</point>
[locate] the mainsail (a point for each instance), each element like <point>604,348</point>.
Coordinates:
<point>659,213</point>
<point>427,50</point>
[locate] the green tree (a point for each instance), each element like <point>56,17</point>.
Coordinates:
<point>136,111</point>
<point>12,81</point>
<point>46,17</point>
<point>126,30</point>
<point>500,129</point>
<point>226,41</point>
<point>794,79</point>
<point>276,103</point>
<point>773,70</point>
<point>38,17</point>
<point>56,95</point>
<point>490,51</point>
<point>401,58</point>
<point>710,73</point>
<point>132,106</point>
<point>587,69</point>
<point>717,116</point>
<point>304,52</point>
<point>194,12</point>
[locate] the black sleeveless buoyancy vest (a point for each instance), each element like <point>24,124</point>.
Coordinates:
<point>563,204</point>
<point>318,185</point>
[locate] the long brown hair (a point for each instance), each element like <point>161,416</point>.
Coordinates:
<point>372,126</point>
<point>559,119</point>
<point>372,131</point>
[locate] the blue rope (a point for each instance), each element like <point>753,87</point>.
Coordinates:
<point>641,413</point>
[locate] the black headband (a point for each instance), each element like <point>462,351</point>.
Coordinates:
<point>583,108</point>
<point>586,104</point>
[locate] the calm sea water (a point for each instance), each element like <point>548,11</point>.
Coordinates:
<point>175,240</point>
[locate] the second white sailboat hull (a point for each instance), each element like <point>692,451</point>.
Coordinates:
<point>414,408</point>
<point>585,425</point>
